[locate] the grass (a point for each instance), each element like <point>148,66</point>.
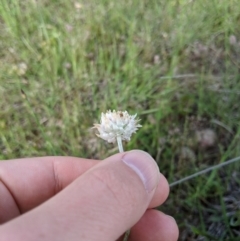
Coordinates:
<point>175,63</point>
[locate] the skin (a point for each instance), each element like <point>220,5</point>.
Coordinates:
<point>68,198</point>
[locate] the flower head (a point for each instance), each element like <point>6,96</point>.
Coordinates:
<point>115,124</point>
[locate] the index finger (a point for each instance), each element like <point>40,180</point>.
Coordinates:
<point>32,181</point>
<point>26,183</point>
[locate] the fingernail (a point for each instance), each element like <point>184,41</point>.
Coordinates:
<point>144,166</point>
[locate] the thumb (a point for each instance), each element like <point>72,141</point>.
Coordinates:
<point>127,184</point>
<point>99,205</point>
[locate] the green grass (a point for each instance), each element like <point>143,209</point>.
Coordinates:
<point>175,63</point>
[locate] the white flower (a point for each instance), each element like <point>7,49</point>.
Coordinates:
<point>117,125</point>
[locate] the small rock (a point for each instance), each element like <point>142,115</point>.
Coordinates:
<point>77,5</point>
<point>206,138</point>
<point>156,59</point>
<point>232,40</point>
<point>69,27</point>
<point>187,153</point>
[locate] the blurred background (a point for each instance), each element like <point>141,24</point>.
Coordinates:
<point>174,62</point>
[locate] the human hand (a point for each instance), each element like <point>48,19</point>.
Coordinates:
<point>68,199</point>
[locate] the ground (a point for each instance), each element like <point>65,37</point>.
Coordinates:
<point>174,62</point>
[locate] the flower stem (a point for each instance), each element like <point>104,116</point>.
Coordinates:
<point>120,146</point>
<point>126,235</point>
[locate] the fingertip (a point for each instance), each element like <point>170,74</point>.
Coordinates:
<point>161,192</point>
<point>155,225</point>
<point>171,228</point>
